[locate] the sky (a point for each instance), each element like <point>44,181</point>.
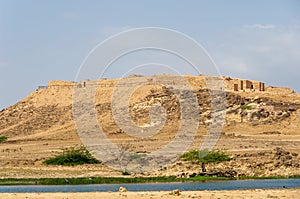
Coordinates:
<point>48,40</point>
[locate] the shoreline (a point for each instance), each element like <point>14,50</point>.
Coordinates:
<point>128,180</point>
<point>256,193</point>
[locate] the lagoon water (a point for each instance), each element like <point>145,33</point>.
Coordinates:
<point>192,186</point>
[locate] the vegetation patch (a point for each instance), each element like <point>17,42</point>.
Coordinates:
<point>125,173</point>
<point>73,156</point>
<point>119,180</point>
<point>102,180</point>
<point>205,178</point>
<point>3,138</point>
<point>204,156</point>
<point>246,107</point>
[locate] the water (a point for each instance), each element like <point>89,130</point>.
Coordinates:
<point>192,186</point>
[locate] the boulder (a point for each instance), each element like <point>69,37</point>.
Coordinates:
<point>122,189</point>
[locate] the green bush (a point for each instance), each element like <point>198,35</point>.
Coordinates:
<point>73,156</point>
<point>192,156</point>
<point>3,138</point>
<point>246,107</point>
<point>205,156</point>
<point>125,172</point>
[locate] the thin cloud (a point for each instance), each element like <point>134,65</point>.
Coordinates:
<point>260,26</point>
<point>270,55</point>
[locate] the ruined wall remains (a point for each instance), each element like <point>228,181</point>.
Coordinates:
<point>230,84</point>
<point>277,90</point>
<point>242,85</point>
<point>58,84</point>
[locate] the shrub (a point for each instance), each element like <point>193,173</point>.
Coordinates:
<point>205,156</point>
<point>73,156</point>
<point>125,172</point>
<point>192,156</point>
<point>3,138</point>
<point>246,107</point>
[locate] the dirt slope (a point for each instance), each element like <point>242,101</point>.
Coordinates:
<point>38,126</point>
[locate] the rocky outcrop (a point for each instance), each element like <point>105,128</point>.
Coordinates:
<point>278,162</point>
<point>258,110</point>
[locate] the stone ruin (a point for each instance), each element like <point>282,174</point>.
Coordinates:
<point>243,85</point>
<point>230,84</point>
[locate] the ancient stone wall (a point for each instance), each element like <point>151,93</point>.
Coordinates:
<point>230,84</point>
<point>242,85</point>
<point>58,84</point>
<point>277,90</point>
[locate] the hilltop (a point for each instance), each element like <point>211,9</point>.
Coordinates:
<point>261,130</point>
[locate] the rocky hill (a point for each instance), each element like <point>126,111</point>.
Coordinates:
<point>261,129</point>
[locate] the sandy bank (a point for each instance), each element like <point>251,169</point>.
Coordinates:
<point>256,193</point>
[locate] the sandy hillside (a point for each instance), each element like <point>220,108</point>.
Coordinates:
<point>261,131</point>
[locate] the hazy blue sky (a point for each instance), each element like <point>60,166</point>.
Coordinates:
<point>46,40</point>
